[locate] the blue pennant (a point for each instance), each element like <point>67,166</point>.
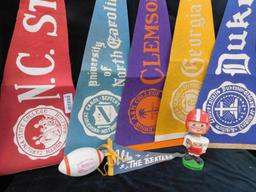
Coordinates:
<point>102,77</point>
<point>228,91</point>
<point>135,160</point>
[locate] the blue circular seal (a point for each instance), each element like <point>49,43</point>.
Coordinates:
<point>231,108</point>
<point>98,114</point>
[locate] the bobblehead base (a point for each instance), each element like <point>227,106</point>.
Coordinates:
<point>193,164</point>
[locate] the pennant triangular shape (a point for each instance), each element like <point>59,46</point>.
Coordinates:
<point>191,50</point>
<point>148,62</point>
<point>135,160</point>
<point>37,89</point>
<point>102,77</point>
<point>228,91</point>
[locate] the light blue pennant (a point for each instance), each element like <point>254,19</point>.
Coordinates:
<point>102,76</point>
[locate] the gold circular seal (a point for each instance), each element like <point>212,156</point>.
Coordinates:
<point>184,99</point>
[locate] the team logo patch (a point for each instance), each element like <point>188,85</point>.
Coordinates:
<point>99,113</point>
<point>143,110</point>
<point>41,132</point>
<point>184,99</point>
<point>231,109</point>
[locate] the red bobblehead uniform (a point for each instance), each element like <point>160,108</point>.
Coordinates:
<point>196,145</point>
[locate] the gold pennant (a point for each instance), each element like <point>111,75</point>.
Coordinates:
<point>192,45</point>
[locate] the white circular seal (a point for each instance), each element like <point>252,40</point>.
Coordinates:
<point>231,108</point>
<point>98,114</point>
<point>41,132</point>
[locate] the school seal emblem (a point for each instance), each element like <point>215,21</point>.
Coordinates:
<point>143,110</point>
<point>41,132</point>
<point>98,114</point>
<point>231,108</point>
<point>184,99</point>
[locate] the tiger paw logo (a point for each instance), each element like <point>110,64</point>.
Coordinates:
<point>143,111</point>
<point>184,99</point>
<point>98,114</point>
<point>41,132</point>
<point>231,108</point>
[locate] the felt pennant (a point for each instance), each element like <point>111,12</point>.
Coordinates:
<point>83,161</point>
<point>191,50</point>
<point>228,91</point>
<point>148,62</point>
<point>102,77</point>
<point>37,89</point>
<point>131,160</point>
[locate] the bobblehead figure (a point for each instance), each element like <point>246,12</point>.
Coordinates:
<point>198,124</point>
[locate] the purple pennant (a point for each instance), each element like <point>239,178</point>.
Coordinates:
<point>148,62</point>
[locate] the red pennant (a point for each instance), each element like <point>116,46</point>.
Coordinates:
<point>37,89</point>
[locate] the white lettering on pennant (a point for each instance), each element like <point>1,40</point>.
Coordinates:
<point>237,37</point>
<point>239,20</point>
<point>195,65</point>
<point>236,63</point>
<point>35,91</point>
<point>37,26</point>
<point>134,163</point>
<point>192,65</point>
<point>114,42</point>
<point>245,2</point>
<point>234,67</point>
<point>35,71</point>
<point>41,3</point>
<point>33,24</point>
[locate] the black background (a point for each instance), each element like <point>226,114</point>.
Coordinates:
<point>225,170</point>
<point>79,14</point>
